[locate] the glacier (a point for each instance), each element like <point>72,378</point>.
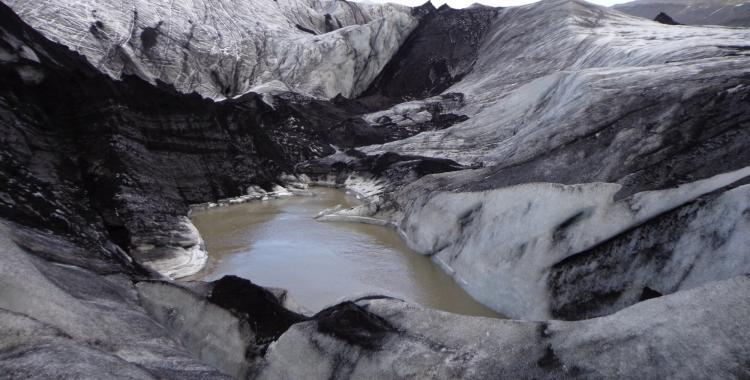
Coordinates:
<point>573,167</point>
<point>224,48</point>
<point>571,106</point>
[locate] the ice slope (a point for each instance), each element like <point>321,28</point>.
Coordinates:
<point>578,114</point>
<point>223,48</point>
<point>693,12</point>
<point>701,242</point>
<point>543,68</point>
<point>695,334</point>
<point>499,244</point>
<point>73,321</point>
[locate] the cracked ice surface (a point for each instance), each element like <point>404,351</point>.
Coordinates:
<point>223,48</point>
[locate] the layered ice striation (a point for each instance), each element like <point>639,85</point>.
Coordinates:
<point>182,254</point>
<point>500,244</point>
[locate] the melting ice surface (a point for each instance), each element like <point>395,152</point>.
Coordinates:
<point>277,243</point>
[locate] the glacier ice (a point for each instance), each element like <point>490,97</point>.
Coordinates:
<point>224,48</point>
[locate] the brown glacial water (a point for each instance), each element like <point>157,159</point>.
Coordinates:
<point>277,243</point>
